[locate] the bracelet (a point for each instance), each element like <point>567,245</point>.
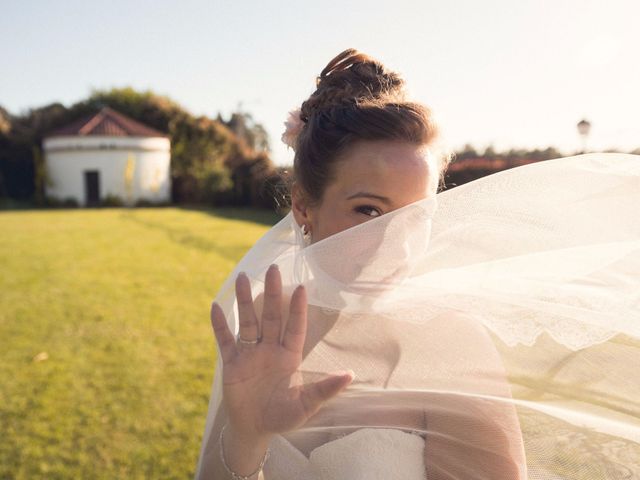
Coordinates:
<point>234,475</point>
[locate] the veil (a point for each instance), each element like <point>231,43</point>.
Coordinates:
<point>498,322</point>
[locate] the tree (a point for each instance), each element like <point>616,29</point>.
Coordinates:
<point>245,128</point>
<point>205,152</point>
<point>467,152</point>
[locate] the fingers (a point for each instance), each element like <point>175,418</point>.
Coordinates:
<point>247,320</point>
<point>296,331</point>
<point>224,337</point>
<point>313,395</point>
<point>272,306</point>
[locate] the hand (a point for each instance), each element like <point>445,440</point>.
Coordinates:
<point>262,391</point>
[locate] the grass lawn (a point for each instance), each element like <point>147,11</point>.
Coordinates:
<point>106,351</point>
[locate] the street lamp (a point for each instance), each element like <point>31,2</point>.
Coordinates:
<point>584,127</point>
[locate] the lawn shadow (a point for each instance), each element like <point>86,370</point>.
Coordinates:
<point>9,204</point>
<point>264,216</point>
<point>203,244</point>
<point>261,216</point>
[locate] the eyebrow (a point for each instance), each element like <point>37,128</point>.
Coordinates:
<point>370,195</point>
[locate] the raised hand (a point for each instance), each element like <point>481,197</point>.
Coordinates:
<point>262,391</point>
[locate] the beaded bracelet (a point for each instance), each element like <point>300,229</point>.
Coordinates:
<point>234,475</point>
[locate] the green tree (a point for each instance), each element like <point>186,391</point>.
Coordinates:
<point>206,155</point>
<point>245,127</point>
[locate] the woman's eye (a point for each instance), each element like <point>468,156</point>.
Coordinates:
<point>369,211</point>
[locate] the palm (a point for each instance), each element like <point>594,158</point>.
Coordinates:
<point>258,382</point>
<point>262,387</point>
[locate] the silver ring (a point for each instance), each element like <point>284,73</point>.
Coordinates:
<point>247,342</point>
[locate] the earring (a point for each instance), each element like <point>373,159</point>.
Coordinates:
<point>306,234</point>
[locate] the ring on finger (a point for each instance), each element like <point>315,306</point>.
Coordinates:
<point>247,342</point>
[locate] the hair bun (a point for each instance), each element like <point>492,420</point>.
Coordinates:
<point>353,77</point>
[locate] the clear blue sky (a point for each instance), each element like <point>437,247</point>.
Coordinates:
<point>511,73</point>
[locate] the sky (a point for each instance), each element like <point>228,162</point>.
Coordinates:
<point>505,73</point>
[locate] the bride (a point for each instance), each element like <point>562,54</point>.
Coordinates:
<point>367,337</point>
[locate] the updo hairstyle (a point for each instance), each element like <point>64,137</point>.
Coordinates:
<point>356,99</point>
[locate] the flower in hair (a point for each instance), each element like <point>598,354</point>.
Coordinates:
<point>294,125</point>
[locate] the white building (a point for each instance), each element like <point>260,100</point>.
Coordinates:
<point>108,154</point>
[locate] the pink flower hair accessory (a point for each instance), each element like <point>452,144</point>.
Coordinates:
<point>293,127</point>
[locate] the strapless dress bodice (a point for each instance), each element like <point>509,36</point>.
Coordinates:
<point>367,453</point>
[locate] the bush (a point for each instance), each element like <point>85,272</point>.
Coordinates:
<point>145,202</point>
<point>12,204</point>
<point>111,201</point>
<point>70,202</point>
<point>56,202</point>
<point>52,202</point>
<point>213,183</point>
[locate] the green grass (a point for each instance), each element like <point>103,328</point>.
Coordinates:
<point>119,301</point>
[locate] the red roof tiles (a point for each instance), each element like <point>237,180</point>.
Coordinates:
<point>107,122</point>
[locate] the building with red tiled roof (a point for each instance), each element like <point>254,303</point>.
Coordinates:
<point>107,122</point>
<point>108,154</point>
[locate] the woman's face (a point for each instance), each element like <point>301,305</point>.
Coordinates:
<point>371,179</point>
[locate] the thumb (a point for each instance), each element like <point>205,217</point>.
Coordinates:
<point>313,395</point>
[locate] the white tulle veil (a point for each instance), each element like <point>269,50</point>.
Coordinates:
<point>500,319</point>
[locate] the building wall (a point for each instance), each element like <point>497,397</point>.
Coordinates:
<point>130,168</point>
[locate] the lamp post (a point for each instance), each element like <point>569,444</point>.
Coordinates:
<point>584,127</point>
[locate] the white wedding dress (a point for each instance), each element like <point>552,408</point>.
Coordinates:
<point>367,453</point>
<point>508,316</point>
